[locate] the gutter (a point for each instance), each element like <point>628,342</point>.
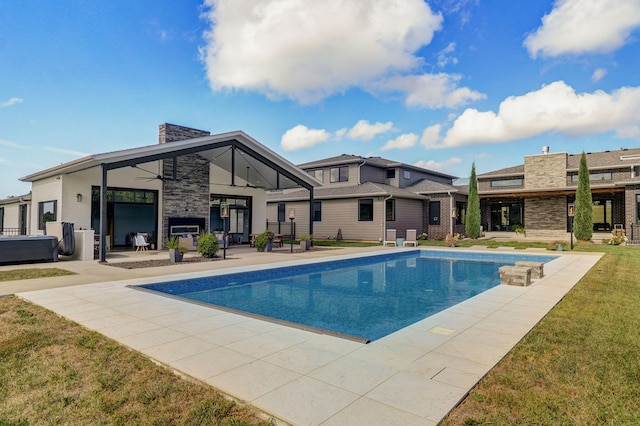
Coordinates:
<point>359,167</point>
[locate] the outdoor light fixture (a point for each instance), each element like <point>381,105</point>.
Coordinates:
<point>79,197</point>
<point>292,216</point>
<point>224,214</point>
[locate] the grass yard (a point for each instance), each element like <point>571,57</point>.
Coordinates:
<point>25,274</point>
<point>52,371</point>
<point>580,365</point>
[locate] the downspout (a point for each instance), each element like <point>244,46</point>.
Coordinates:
<point>359,167</point>
<point>384,217</point>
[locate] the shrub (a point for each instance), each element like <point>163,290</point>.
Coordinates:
<point>423,236</point>
<point>173,242</point>
<point>207,245</point>
<point>263,239</point>
<point>615,241</point>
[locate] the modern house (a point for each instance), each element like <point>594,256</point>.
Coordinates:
<point>173,187</point>
<point>15,213</point>
<point>362,197</point>
<point>539,194</point>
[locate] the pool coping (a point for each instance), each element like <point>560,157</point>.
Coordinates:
<point>413,376</point>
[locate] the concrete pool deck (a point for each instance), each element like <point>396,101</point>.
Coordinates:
<point>413,376</point>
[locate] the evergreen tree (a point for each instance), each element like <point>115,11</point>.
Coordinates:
<point>472,221</point>
<point>583,217</point>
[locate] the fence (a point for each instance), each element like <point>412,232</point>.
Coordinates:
<point>12,232</point>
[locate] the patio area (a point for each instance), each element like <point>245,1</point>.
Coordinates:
<point>413,376</point>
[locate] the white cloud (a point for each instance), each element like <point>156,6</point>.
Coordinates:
<point>445,57</point>
<point>67,152</point>
<point>438,165</point>
<point>10,102</point>
<point>309,50</point>
<point>554,108</point>
<point>301,136</point>
<point>598,74</point>
<point>430,135</point>
<point>405,141</point>
<point>365,131</point>
<point>11,144</point>
<point>584,26</point>
<point>430,90</point>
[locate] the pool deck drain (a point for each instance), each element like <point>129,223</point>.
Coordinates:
<point>414,376</point>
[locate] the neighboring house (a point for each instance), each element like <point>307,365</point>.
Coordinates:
<point>363,197</point>
<point>539,193</point>
<point>175,186</point>
<point>14,215</point>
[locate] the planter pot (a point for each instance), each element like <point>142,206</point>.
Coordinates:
<point>303,245</point>
<point>175,255</point>
<point>308,244</point>
<point>269,246</point>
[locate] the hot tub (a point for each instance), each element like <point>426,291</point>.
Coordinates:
<point>28,249</point>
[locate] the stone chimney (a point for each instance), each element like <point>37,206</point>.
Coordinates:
<point>172,133</point>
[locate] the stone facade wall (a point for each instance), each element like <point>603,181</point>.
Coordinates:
<point>547,214</point>
<point>630,206</point>
<point>545,171</point>
<point>439,231</point>
<point>188,195</point>
<point>172,133</point>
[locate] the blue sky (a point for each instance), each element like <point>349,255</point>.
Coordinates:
<point>439,84</point>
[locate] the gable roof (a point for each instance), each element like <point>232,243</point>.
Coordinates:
<point>276,171</point>
<point>380,162</point>
<point>427,186</point>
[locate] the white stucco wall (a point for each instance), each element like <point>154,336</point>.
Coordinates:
<point>49,189</point>
<point>12,215</point>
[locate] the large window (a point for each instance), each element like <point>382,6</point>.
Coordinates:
<point>390,210</point>
<point>391,173</point>
<point>594,176</point>
<point>506,182</point>
<point>340,174</point>
<point>318,174</point>
<point>434,213</point>
<point>47,212</point>
<point>365,210</point>
<point>317,211</point>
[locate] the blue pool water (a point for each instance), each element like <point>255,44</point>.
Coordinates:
<point>366,298</point>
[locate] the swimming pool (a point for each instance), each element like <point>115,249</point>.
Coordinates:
<point>364,298</point>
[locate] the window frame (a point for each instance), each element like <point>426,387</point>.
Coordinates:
<point>502,183</point>
<point>1,219</point>
<point>362,216</point>
<point>282,212</point>
<point>435,219</point>
<point>390,173</point>
<point>41,213</point>
<point>317,211</point>
<point>406,174</point>
<point>317,174</point>
<point>390,217</point>
<point>342,177</point>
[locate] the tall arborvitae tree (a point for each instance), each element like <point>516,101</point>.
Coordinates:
<point>583,216</point>
<point>472,221</point>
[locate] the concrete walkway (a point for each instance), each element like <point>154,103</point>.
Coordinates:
<point>414,376</point>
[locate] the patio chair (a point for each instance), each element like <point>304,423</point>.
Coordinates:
<point>391,237</point>
<point>141,244</point>
<point>411,238</point>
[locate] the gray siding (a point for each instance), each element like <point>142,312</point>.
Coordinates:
<point>408,216</point>
<point>372,174</point>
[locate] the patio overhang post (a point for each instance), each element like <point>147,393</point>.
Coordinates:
<point>102,243</point>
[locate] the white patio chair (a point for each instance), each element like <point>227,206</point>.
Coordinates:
<point>411,238</point>
<point>141,244</point>
<point>390,238</point>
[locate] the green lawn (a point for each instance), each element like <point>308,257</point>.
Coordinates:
<point>580,365</point>
<point>53,371</point>
<point>25,274</point>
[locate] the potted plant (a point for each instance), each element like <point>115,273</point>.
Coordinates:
<point>305,242</point>
<point>558,245</point>
<point>207,245</point>
<point>451,240</point>
<point>518,228</point>
<point>264,240</point>
<point>176,251</point>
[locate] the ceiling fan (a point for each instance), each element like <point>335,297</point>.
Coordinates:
<point>151,178</point>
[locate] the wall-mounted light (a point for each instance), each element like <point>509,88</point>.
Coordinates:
<point>79,198</point>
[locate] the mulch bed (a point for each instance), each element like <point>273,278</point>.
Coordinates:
<point>161,262</point>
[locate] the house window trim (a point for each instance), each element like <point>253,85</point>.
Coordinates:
<point>281,212</point>
<point>392,217</point>
<point>1,219</point>
<point>502,183</point>
<point>41,221</point>
<point>317,211</point>
<point>315,172</point>
<point>360,212</point>
<point>608,177</point>
<point>435,220</point>
<point>341,177</point>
